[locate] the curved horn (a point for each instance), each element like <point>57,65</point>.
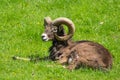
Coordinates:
<point>57,22</point>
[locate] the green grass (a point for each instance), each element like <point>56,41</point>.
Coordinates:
<point>21,25</point>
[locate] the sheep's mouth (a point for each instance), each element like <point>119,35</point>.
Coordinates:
<point>45,39</point>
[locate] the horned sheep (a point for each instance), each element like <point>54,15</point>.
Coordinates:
<point>73,53</point>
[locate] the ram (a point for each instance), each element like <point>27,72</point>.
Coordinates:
<point>73,53</point>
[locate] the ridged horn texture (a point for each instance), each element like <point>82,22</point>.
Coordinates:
<point>71,28</point>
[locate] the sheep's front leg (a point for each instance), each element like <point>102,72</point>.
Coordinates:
<point>71,67</point>
<point>72,64</point>
<point>73,60</point>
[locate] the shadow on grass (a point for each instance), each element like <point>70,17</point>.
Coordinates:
<point>32,58</point>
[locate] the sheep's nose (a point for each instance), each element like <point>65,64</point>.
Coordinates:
<point>44,37</point>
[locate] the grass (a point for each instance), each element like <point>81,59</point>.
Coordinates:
<point>21,24</point>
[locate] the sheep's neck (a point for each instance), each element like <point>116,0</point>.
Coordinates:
<point>56,46</point>
<point>57,43</point>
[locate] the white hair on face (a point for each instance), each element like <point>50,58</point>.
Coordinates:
<point>45,37</point>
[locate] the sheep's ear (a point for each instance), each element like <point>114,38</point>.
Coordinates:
<point>47,21</point>
<point>60,28</point>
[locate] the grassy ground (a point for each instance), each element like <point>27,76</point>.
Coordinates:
<point>21,24</point>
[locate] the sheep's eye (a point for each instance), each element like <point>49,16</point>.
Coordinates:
<point>54,29</point>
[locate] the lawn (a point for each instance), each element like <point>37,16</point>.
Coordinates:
<point>21,25</point>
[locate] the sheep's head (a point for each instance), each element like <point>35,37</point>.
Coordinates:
<point>54,29</point>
